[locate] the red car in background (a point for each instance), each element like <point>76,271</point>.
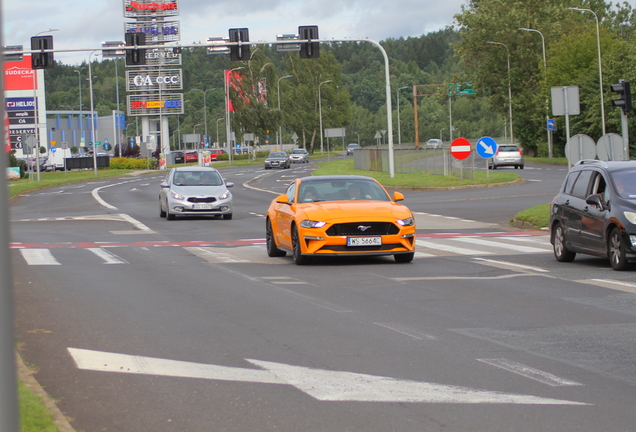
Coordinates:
<point>192,156</point>
<point>214,153</point>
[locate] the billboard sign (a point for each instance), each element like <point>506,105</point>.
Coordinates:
<point>19,75</point>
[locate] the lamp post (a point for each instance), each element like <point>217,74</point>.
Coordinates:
<point>600,70</point>
<point>217,130</point>
<point>81,123</point>
<point>440,135</point>
<point>94,137</point>
<point>398,116</point>
<point>545,71</point>
<point>227,110</point>
<point>512,137</point>
<point>320,113</point>
<point>205,111</point>
<point>280,128</point>
<point>194,128</point>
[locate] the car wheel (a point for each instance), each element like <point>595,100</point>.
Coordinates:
<point>561,253</point>
<point>616,250</point>
<point>170,216</point>
<point>516,166</point>
<point>162,213</point>
<point>520,166</point>
<point>494,166</point>
<point>404,258</point>
<point>270,243</point>
<point>227,216</point>
<point>299,259</point>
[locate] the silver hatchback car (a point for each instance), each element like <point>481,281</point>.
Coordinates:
<point>507,155</point>
<point>195,191</point>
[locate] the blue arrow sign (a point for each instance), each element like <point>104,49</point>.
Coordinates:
<point>487,147</point>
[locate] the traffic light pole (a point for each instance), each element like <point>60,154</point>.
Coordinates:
<point>624,125</point>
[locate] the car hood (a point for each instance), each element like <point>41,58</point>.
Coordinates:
<point>329,211</point>
<point>276,158</point>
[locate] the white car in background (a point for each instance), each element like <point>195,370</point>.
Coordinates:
<point>299,155</point>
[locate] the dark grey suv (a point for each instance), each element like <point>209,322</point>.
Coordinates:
<point>595,213</point>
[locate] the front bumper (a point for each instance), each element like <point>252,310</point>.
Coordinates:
<point>219,207</point>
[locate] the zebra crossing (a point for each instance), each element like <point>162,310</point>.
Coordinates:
<point>253,250</point>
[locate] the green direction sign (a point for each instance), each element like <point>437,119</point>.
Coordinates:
<point>460,89</point>
<point>98,143</point>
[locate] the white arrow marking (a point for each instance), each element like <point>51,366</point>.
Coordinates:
<point>488,149</point>
<point>321,384</point>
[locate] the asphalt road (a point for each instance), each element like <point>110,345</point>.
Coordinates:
<point>136,323</point>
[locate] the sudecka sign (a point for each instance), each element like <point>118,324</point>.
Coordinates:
<point>141,8</point>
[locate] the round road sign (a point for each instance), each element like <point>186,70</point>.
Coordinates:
<point>580,147</point>
<point>460,148</point>
<point>610,147</point>
<point>487,147</point>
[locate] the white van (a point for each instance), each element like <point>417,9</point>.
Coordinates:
<point>56,159</point>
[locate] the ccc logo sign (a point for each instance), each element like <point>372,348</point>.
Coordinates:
<point>142,81</point>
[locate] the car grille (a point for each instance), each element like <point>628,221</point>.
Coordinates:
<point>201,199</point>
<point>375,228</point>
<point>344,248</point>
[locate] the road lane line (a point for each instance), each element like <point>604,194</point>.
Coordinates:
<point>451,249</point>
<point>489,243</point>
<point>415,334</point>
<point>528,372</point>
<point>509,264</point>
<point>38,257</point>
<point>109,258</point>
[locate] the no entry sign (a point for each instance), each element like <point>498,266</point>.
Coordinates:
<point>460,148</point>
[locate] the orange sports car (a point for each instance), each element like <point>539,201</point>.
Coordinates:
<point>340,215</point>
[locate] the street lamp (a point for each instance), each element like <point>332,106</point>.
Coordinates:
<point>280,128</point>
<point>320,113</point>
<point>440,135</point>
<point>81,123</point>
<point>545,71</point>
<point>512,136</point>
<point>227,109</point>
<point>205,111</point>
<point>217,131</point>
<point>194,127</point>
<point>600,70</point>
<point>93,137</point>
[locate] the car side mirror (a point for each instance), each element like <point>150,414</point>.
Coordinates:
<point>282,199</point>
<point>397,196</point>
<point>596,201</point>
<point>164,184</point>
<point>229,184</point>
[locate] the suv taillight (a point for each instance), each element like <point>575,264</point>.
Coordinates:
<point>521,152</point>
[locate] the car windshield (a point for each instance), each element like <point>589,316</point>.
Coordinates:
<point>508,148</point>
<point>340,190</point>
<point>625,183</point>
<point>278,155</point>
<point>197,178</point>
<point>298,151</point>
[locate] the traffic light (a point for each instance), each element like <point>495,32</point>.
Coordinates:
<point>239,52</point>
<point>309,50</point>
<point>42,60</point>
<point>137,56</point>
<point>625,101</point>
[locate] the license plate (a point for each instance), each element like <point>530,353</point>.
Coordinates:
<point>364,241</point>
<point>201,206</point>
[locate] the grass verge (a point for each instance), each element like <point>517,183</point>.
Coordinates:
<point>538,216</point>
<point>34,415</point>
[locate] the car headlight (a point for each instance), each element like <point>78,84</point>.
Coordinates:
<point>312,224</point>
<point>226,195</point>
<point>631,216</point>
<point>176,195</point>
<point>406,222</point>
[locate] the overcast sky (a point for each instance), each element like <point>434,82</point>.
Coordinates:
<point>85,24</point>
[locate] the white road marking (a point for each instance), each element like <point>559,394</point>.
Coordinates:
<point>423,278</point>
<point>415,334</point>
<point>324,385</point>
<point>528,372</point>
<point>489,243</point>
<point>509,264</point>
<point>611,284</point>
<point>213,255</point>
<point>451,249</point>
<point>38,257</point>
<point>109,258</point>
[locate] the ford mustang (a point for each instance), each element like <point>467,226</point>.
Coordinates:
<point>339,215</point>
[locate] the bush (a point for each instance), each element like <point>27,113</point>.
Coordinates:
<point>132,163</point>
